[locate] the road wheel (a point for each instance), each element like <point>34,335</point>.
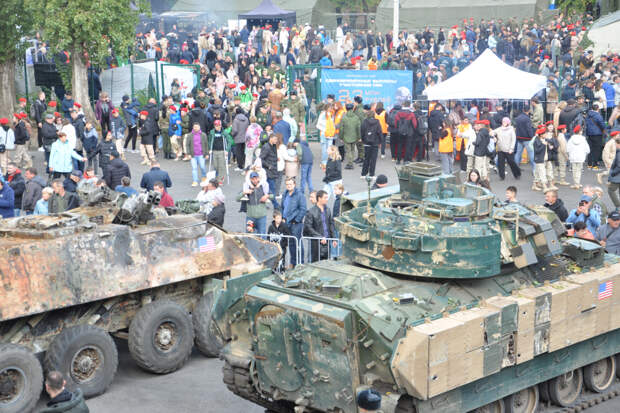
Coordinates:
<point>86,356</point>
<point>599,375</point>
<point>524,401</point>
<point>494,407</point>
<point>161,337</point>
<point>21,379</point>
<point>208,337</point>
<point>618,366</point>
<point>566,388</point>
<point>543,391</point>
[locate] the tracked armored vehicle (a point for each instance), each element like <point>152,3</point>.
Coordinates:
<point>115,267</point>
<point>445,303</point>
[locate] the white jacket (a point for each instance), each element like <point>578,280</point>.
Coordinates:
<point>577,148</point>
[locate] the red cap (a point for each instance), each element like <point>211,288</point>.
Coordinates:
<point>577,129</point>
<point>22,99</point>
<point>255,95</point>
<point>570,26</point>
<point>558,26</point>
<point>242,87</point>
<point>56,114</point>
<point>614,133</point>
<point>540,131</point>
<point>172,108</point>
<point>77,105</point>
<point>483,122</point>
<point>547,57</point>
<point>144,113</point>
<point>561,127</point>
<point>183,62</point>
<point>573,33</point>
<point>4,121</point>
<point>52,103</point>
<point>17,115</point>
<point>549,122</point>
<point>231,86</point>
<point>184,109</point>
<point>114,110</point>
<point>297,80</point>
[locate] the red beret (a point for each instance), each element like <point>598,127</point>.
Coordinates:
<point>561,127</point>
<point>573,33</point>
<point>540,131</point>
<point>547,57</point>
<point>242,87</point>
<point>4,121</point>
<point>456,26</point>
<point>231,86</point>
<point>52,103</point>
<point>17,115</point>
<point>583,28</point>
<point>577,129</point>
<point>183,62</point>
<point>56,114</point>
<point>297,80</point>
<point>22,99</point>
<point>77,105</point>
<point>184,109</point>
<point>614,133</point>
<point>114,110</point>
<point>23,115</point>
<point>558,26</point>
<point>570,26</point>
<point>483,122</point>
<point>193,105</point>
<point>255,95</point>
<point>144,113</point>
<point>172,108</point>
<point>549,122</point>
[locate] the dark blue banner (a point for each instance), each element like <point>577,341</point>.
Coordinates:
<point>387,86</point>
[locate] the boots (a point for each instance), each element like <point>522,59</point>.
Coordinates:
<point>536,187</point>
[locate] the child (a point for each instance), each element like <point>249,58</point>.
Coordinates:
<point>552,154</point>
<point>446,149</point>
<point>580,230</point>
<point>275,231</point>
<point>578,149</point>
<point>333,170</point>
<point>562,155</point>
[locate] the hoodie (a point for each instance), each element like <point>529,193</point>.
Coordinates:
<point>239,127</point>
<point>559,209</point>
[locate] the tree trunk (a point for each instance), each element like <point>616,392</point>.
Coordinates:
<point>79,84</point>
<point>7,91</point>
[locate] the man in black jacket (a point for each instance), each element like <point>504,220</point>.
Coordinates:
<point>48,136</point>
<point>39,116</point>
<point>17,183</point>
<point>156,174</point>
<point>34,186</point>
<point>147,137</point>
<point>21,156</point>
<point>319,223</point>
<point>61,399</point>
<point>524,132</point>
<point>269,159</point>
<point>371,138</point>
<point>62,200</point>
<point>116,170</point>
<point>481,147</point>
<point>153,117</point>
<point>555,204</point>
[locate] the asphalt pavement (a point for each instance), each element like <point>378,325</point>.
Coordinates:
<point>198,386</point>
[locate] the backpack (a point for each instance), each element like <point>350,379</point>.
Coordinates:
<point>33,110</point>
<point>491,148</point>
<point>405,127</point>
<point>391,120</point>
<point>580,120</point>
<point>422,128</point>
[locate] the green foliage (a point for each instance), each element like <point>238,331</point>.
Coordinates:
<point>90,26</point>
<point>574,6</point>
<point>16,22</point>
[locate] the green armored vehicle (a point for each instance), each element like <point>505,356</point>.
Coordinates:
<point>444,303</point>
<point>114,267</point>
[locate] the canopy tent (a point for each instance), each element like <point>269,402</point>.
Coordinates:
<point>488,77</point>
<point>604,34</point>
<point>268,13</point>
<point>417,14</point>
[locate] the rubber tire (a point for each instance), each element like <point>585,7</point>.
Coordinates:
<point>64,347</point>
<point>142,330</point>
<point>207,337</point>
<point>508,400</point>
<point>543,391</point>
<point>21,357</point>
<point>587,377</point>
<point>553,390</point>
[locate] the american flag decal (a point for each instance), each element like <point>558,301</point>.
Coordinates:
<point>206,244</point>
<point>605,290</point>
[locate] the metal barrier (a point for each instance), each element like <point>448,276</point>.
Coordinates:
<point>316,251</point>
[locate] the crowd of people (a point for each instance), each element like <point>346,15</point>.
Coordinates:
<point>244,118</point>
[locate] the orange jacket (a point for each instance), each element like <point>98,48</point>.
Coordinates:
<point>446,145</point>
<point>382,118</point>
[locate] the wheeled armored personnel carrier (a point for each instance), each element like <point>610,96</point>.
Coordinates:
<point>115,267</point>
<point>446,303</point>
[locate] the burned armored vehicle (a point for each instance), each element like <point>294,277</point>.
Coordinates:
<point>115,267</point>
<point>445,303</point>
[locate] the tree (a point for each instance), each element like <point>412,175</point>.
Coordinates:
<point>89,30</point>
<point>15,23</point>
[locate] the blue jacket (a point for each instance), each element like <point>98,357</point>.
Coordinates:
<point>284,128</point>
<point>175,128</point>
<point>614,170</point>
<point>155,175</point>
<point>294,206</point>
<point>610,93</point>
<point>593,221</point>
<point>60,157</point>
<point>41,207</point>
<point>523,127</point>
<point>66,106</point>
<point>306,153</point>
<point>595,125</point>
<point>130,113</point>
<point>7,201</point>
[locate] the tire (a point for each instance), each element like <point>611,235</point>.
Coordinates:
<point>208,339</point>
<point>564,394</point>
<point>86,356</point>
<point>161,337</point>
<point>21,379</point>
<point>494,407</point>
<point>543,391</point>
<point>600,375</point>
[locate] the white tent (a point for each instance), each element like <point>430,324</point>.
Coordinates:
<point>488,77</point>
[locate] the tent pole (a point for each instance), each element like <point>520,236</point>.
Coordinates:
<point>395,39</point>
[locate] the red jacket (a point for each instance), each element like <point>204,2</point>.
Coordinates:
<point>406,115</point>
<point>166,200</point>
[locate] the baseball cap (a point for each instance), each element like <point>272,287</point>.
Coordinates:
<point>614,215</point>
<point>585,198</point>
<point>76,172</point>
<point>381,179</point>
<point>254,175</point>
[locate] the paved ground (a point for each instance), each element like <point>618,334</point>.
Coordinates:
<point>198,387</point>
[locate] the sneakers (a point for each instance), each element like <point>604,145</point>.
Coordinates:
<point>238,169</point>
<point>382,156</point>
<point>41,149</point>
<point>536,188</point>
<point>575,186</point>
<point>194,183</point>
<point>563,183</point>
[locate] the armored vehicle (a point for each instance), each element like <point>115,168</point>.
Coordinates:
<point>446,302</point>
<point>115,267</point>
